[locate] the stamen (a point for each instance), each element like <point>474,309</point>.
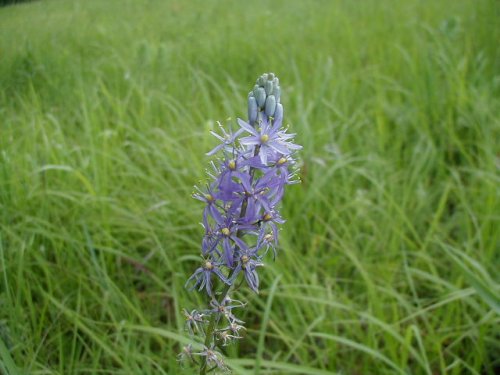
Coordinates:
<point>282,161</point>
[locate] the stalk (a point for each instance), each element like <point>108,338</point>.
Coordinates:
<point>211,329</point>
<point>259,196</point>
<point>213,319</point>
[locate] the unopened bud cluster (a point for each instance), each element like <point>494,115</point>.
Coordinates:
<point>241,217</point>
<point>265,96</point>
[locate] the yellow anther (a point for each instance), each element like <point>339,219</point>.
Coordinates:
<point>232,165</point>
<point>264,138</point>
<point>267,217</point>
<point>282,161</point>
<point>209,197</point>
<point>208,265</point>
<point>225,231</point>
<point>245,259</point>
<point>269,237</point>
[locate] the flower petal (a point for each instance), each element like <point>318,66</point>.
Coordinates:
<point>249,128</point>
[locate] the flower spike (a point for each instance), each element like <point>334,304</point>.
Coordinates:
<point>247,178</point>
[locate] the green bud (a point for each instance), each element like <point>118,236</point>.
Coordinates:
<point>256,91</point>
<point>270,105</point>
<point>260,96</point>
<point>268,86</point>
<point>278,114</point>
<point>277,93</point>
<point>252,110</point>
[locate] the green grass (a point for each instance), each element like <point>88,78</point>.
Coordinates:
<point>390,257</point>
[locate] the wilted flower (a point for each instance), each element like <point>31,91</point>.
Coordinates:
<point>213,358</point>
<point>224,308</point>
<point>235,328</point>
<point>226,336</point>
<point>186,353</point>
<point>193,320</point>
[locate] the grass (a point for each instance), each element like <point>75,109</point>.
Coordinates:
<point>389,260</point>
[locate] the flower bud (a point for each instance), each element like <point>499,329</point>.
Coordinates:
<point>270,105</point>
<point>261,80</point>
<point>255,90</point>
<point>278,114</point>
<point>277,93</point>
<point>270,76</point>
<point>252,110</point>
<point>268,86</point>
<point>260,96</point>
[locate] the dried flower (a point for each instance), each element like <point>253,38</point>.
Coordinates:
<point>193,320</point>
<point>186,353</point>
<point>213,358</point>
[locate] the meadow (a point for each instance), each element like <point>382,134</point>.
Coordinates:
<point>389,257</point>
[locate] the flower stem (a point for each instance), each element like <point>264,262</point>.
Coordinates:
<point>210,334</point>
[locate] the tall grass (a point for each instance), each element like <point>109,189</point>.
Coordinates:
<point>389,260</point>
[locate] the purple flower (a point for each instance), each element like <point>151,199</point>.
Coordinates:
<point>267,241</point>
<point>270,139</point>
<point>246,184</point>
<point>227,139</point>
<point>283,166</point>
<point>203,276</point>
<point>210,198</point>
<point>269,220</point>
<point>248,261</point>
<point>259,192</point>
<point>227,232</point>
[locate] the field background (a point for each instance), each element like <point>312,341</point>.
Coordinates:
<point>390,254</point>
